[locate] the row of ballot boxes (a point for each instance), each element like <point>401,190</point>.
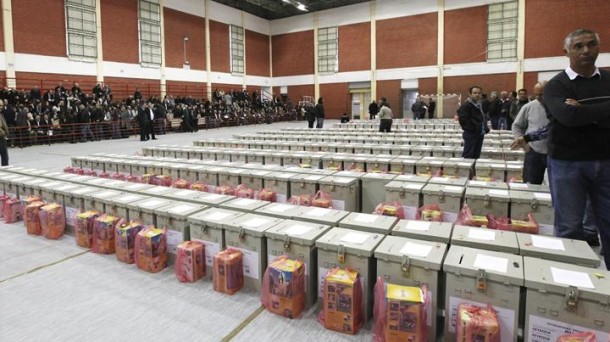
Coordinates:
<point>363,192</point>
<point>542,281</point>
<point>483,169</point>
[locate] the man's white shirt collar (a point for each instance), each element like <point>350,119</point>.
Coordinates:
<point>573,74</point>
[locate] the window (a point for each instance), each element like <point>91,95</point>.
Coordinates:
<point>150,32</point>
<point>81,29</point>
<point>237,50</point>
<point>502,25</point>
<point>328,50</point>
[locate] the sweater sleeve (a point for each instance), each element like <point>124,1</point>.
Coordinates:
<point>520,125</point>
<point>555,95</point>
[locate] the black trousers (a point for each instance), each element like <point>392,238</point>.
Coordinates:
<point>534,166</point>
<point>473,142</point>
<point>385,125</point>
<point>3,152</point>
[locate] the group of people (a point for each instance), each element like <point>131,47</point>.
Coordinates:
<point>565,131</point>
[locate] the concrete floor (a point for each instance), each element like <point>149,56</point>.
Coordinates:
<point>57,291</point>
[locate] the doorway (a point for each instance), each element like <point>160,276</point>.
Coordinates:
<point>408,98</point>
<point>359,103</point>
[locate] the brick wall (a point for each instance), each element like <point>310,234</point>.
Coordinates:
<point>257,54</point>
<point>177,26</point>
<point>293,54</point>
<point>355,47</point>
<point>466,35</point>
<point>219,49</point>
<point>120,31</point>
<point>39,27</point>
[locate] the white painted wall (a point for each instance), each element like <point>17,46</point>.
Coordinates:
<point>53,65</point>
<point>194,7</point>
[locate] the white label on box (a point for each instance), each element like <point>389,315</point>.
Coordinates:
<point>129,198</point>
<point>571,278</point>
<point>542,195</point>
<point>416,249</point>
<point>546,229</point>
<point>490,263</point>
<point>481,234</point>
<point>366,218</point>
<point>439,179</point>
<point>211,249</point>
<point>499,166</point>
<point>174,238</point>
<point>498,192</point>
<point>452,188</point>
<point>280,198</point>
<point>71,216</point>
<point>255,222</point>
<point>410,212</point>
<point>243,202</point>
<point>183,193</point>
<point>355,238</point>
<point>543,329</point>
<point>313,177</point>
<point>250,262</point>
<point>422,226</point>
<point>519,185</point>
<point>412,186</point>
<point>317,212</point>
<point>374,175</point>
<point>338,204</point>
<point>212,188</point>
<point>217,216</point>
<point>449,217</point>
<point>475,182</point>
<point>280,208</point>
<point>179,209</point>
<point>547,242</point>
<point>297,230</point>
<point>321,275</point>
<point>105,193</point>
<point>506,317</point>
<point>157,190</point>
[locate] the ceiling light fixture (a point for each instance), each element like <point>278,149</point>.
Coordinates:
<point>296,4</point>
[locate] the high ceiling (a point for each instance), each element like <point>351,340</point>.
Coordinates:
<point>277,9</point>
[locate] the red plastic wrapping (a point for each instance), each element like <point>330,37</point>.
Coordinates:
<point>243,191</point>
<point>429,212</point>
<point>151,249</point>
<point>354,167</point>
<point>322,200</point>
<point>125,240</point>
<point>119,176</point>
<point>31,218</point>
<point>504,223</point>
<point>69,169</point>
<point>579,337</point>
<point>3,199</point>
<point>302,199</point>
<point>104,175</point>
<point>199,186</point>
<point>134,179</point>
<point>466,218</point>
<point>475,323</point>
<point>399,313</point>
<point>390,209</point>
<point>162,180</point>
<point>13,211</point>
<point>103,234</point>
<point>148,178</point>
<point>89,172</point>
<point>83,233</point>
<point>343,310</point>
<point>52,221</point>
<point>180,184</point>
<point>267,195</point>
<point>190,261</point>
<point>283,290</point>
<point>78,171</point>
<point>25,201</point>
<point>228,276</point>
<point>225,190</point>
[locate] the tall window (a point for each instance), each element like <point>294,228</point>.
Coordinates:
<point>81,28</point>
<point>150,32</point>
<point>502,31</point>
<point>328,50</point>
<point>237,49</point>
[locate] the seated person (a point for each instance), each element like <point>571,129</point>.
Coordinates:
<point>344,118</point>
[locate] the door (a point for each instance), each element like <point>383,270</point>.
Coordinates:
<point>360,100</point>
<point>408,99</point>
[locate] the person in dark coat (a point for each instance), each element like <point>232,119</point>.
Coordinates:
<point>373,109</point>
<point>473,123</point>
<point>320,113</point>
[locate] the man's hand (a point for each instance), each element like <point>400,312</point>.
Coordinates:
<point>518,143</point>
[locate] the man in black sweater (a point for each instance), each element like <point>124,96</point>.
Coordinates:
<point>579,139</point>
<point>474,124</point>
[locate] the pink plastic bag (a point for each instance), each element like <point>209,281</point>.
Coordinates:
<point>69,169</point>
<point>322,200</point>
<point>83,232</point>
<point>103,234</point>
<point>162,180</point>
<point>429,212</point>
<point>228,276</point>
<point>199,186</point>
<point>13,211</point>
<point>90,172</point>
<point>283,290</point>
<point>342,301</point>
<point>267,195</point>
<point>118,176</point>
<point>151,249</point>
<point>529,226</point>
<point>225,190</point>
<point>104,175</point>
<point>3,199</point>
<point>190,261</point>
<point>134,179</point>
<point>390,209</point>
<point>180,184</point>
<point>52,221</point>
<point>302,200</point>
<point>31,218</point>
<point>243,191</point>
<point>475,323</point>
<point>125,240</point>
<point>466,218</point>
